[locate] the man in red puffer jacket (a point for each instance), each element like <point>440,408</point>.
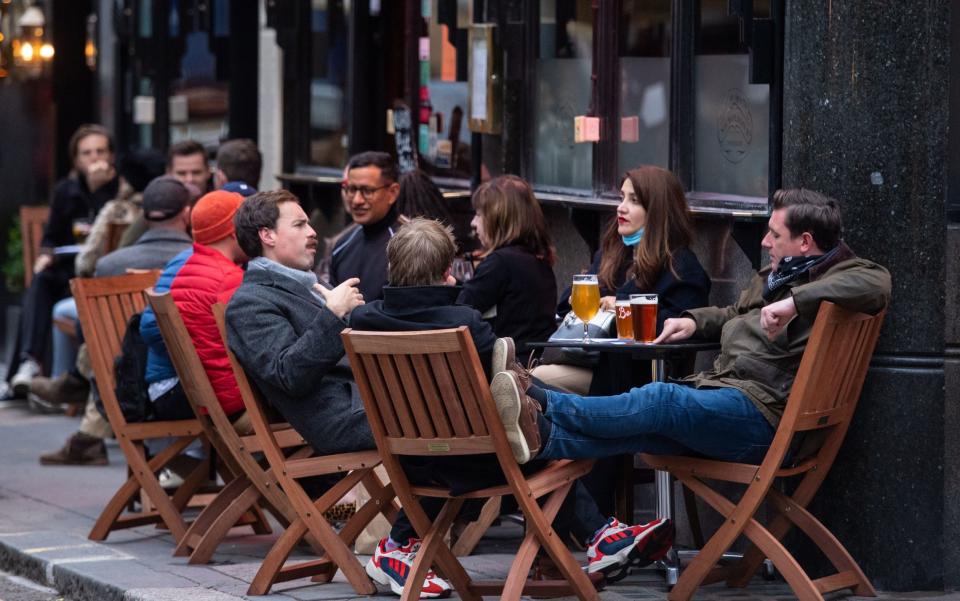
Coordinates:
<point>208,273</point>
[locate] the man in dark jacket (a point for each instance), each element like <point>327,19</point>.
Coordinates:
<point>731,411</point>
<point>76,201</point>
<point>284,328</point>
<point>371,188</point>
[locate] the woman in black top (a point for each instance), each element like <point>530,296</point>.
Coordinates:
<point>646,250</point>
<point>513,286</point>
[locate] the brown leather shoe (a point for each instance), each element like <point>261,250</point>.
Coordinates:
<point>65,388</point>
<point>505,359</point>
<point>518,413</point>
<point>80,449</point>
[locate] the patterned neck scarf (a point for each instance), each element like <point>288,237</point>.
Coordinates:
<point>791,268</point>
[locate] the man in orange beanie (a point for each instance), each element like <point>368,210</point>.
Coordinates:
<point>207,273</point>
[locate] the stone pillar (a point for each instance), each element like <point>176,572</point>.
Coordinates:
<point>865,120</point>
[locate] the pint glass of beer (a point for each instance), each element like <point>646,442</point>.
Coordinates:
<point>644,308</point>
<point>624,319</point>
<point>585,300</point>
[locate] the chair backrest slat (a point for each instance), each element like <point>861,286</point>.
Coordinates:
<point>434,385</point>
<point>428,385</point>
<point>32,222</point>
<point>395,393</point>
<point>104,306</point>
<point>388,416</point>
<point>466,393</point>
<point>448,390</point>
<point>418,407</point>
<point>833,367</point>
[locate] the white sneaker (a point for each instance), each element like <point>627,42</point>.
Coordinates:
<point>28,370</point>
<point>393,567</point>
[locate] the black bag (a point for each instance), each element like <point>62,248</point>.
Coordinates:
<point>129,372</point>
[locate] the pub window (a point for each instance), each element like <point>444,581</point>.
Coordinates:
<point>445,150</point>
<point>644,54</point>
<point>563,88</point>
<point>329,43</point>
<point>732,116</point>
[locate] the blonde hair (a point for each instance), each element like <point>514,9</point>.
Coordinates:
<point>512,215</point>
<point>420,253</point>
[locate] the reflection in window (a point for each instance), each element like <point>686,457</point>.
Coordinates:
<point>563,92</point>
<point>732,122</point>
<point>199,103</point>
<point>448,139</point>
<point>329,28</point>
<point>645,83</point>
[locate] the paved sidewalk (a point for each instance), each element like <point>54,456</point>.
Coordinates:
<point>46,513</point>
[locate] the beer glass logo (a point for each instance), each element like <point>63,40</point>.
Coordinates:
<point>735,126</point>
<point>623,311</point>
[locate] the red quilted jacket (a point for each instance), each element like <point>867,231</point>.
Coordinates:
<point>206,278</point>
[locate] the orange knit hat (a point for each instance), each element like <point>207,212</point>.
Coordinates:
<point>212,216</point>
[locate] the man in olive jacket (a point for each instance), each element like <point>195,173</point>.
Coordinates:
<point>731,411</point>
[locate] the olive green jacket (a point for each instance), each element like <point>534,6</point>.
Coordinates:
<point>764,369</point>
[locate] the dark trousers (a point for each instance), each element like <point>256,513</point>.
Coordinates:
<point>578,514</point>
<point>46,288</point>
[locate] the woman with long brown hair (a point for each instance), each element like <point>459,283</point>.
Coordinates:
<point>645,249</point>
<point>514,285</point>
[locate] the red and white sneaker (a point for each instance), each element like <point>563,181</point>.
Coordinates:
<point>616,547</point>
<point>393,567</point>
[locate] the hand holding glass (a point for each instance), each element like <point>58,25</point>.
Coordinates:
<point>585,300</point>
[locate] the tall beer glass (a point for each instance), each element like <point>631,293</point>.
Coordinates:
<point>585,300</point>
<point>624,319</point>
<point>644,308</point>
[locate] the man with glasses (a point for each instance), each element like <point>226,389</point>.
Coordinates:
<point>371,190</point>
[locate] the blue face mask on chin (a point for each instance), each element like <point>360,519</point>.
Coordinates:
<point>634,238</point>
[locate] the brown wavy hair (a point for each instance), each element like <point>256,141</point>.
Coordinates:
<point>668,228</point>
<point>512,215</point>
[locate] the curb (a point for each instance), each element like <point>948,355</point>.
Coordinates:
<point>79,569</point>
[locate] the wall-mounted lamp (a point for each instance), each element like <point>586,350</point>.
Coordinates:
<point>24,50</point>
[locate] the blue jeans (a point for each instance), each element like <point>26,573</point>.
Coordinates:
<point>64,347</point>
<point>661,419</point>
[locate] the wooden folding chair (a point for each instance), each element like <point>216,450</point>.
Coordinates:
<point>425,394</point>
<point>252,483</point>
<point>358,467</point>
<point>32,222</point>
<point>821,404</point>
<point>105,305</point>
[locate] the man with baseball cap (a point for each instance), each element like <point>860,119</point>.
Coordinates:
<point>166,203</point>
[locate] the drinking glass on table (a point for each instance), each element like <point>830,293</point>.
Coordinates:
<point>585,300</point>
<point>624,319</point>
<point>644,308</point>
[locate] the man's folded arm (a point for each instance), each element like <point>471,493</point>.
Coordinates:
<point>864,288</point>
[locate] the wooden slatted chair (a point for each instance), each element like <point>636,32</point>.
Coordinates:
<point>105,305</point>
<point>32,222</point>
<point>425,394</point>
<point>310,521</point>
<point>821,404</point>
<point>252,483</point>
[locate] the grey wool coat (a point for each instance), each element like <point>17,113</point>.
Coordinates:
<point>289,346</point>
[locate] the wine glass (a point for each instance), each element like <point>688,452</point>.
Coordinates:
<point>585,300</point>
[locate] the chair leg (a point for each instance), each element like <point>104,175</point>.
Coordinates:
<point>540,532</point>
<point>139,470</point>
<point>211,539</point>
<point>446,563</point>
<point>693,517</point>
<point>693,576</point>
<point>209,517</point>
<point>272,568</point>
<point>428,550</point>
<point>824,539</point>
<point>474,531</point>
